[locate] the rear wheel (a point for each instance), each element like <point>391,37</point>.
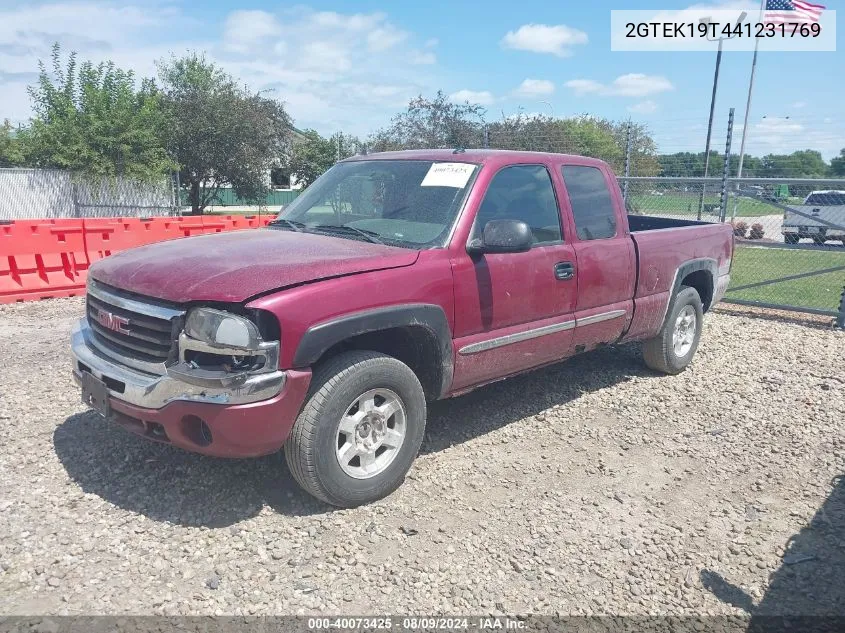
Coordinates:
<point>791,238</point>
<point>673,348</point>
<point>360,429</point>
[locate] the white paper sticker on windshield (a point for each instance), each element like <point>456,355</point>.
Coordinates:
<point>448,175</point>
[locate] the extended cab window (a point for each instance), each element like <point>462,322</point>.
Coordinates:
<point>410,203</point>
<point>522,192</point>
<point>592,206</point>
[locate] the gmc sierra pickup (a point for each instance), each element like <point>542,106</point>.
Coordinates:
<point>393,280</point>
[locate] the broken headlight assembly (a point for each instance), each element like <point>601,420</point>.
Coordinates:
<point>222,349</point>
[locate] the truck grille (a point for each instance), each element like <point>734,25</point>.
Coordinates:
<point>136,333</point>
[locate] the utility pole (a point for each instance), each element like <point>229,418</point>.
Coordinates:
<point>712,106</point>
<point>747,109</point>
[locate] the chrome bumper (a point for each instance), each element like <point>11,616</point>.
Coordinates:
<point>153,391</point>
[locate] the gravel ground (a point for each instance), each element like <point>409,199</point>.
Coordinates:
<point>590,487</point>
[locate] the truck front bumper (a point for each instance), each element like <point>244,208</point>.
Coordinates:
<point>249,420</point>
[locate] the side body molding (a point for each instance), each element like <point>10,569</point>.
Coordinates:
<point>319,338</point>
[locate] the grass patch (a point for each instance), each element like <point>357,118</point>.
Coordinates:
<point>687,204</point>
<point>754,264</point>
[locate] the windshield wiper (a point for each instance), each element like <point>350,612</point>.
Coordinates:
<point>282,222</point>
<point>370,236</point>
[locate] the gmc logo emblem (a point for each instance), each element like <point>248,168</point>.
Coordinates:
<point>112,321</point>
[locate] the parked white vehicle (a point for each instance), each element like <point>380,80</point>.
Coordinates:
<point>820,210</point>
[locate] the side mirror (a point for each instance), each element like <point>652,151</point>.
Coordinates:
<point>503,236</point>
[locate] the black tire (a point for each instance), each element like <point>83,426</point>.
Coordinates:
<point>658,352</point>
<point>310,450</point>
<point>791,238</point>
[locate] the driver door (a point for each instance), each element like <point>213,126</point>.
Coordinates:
<point>517,309</point>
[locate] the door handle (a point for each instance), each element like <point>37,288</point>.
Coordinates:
<point>564,270</point>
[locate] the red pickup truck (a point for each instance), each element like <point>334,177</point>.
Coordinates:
<point>393,280</point>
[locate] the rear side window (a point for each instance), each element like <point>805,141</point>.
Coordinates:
<point>522,192</point>
<point>592,206</point>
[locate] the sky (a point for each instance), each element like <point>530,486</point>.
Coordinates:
<point>349,66</point>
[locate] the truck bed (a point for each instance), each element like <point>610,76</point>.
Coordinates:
<point>638,223</point>
<point>664,244</point>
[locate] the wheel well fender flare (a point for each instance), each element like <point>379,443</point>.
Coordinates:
<point>321,337</point>
<point>706,264</point>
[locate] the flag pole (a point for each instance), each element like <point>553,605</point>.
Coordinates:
<point>747,109</point>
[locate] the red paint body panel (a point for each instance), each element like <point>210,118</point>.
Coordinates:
<point>306,280</point>
<point>246,430</point>
<point>232,267</point>
<point>427,281</point>
<point>648,316</point>
<point>663,250</point>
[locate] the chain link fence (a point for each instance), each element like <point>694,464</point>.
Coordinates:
<point>790,234</point>
<point>790,230</point>
<point>47,193</point>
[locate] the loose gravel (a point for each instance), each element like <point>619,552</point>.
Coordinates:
<point>591,487</point>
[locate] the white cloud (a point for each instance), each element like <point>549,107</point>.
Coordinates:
<point>422,58</point>
<point>643,107</point>
<point>799,104</point>
<point>325,56</point>
<point>384,38</point>
<point>535,88</point>
<point>774,129</point>
<point>431,42</point>
<point>245,29</point>
<point>482,97</point>
<point>630,85</point>
<point>542,38</point>
<point>585,86</point>
<point>347,22</point>
<point>333,70</point>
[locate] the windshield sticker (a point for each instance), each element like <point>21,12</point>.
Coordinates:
<point>448,175</point>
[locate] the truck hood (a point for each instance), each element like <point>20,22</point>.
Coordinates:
<point>233,267</point>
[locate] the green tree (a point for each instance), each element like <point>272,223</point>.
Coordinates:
<point>219,132</point>
<point>11,152</point>
<point>432,123</point>
<point>313,155</point>
<point>837,164</point>
<point>93,119</point>
<point>691,164</point>
<point>801,164</point>
<point>643,158</point>
<point>583,135</point>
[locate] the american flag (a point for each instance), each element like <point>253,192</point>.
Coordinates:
<point>779,11</point>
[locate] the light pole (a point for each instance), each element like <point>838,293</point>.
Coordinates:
<point>707,20</point>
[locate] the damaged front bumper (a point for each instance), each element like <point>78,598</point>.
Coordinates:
<point>181,382</point>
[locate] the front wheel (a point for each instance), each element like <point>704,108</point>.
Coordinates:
<point>673,348</point>
<point>360,429</point>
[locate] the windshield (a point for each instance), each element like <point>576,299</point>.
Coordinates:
<point>826,199</point>
<point>410,203</point>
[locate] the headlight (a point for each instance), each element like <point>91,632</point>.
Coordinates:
<point>222,328</point>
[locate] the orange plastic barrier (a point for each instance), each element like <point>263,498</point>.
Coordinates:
<point>50,258</point>
<point>105,236</point>
<point>41,259</point>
